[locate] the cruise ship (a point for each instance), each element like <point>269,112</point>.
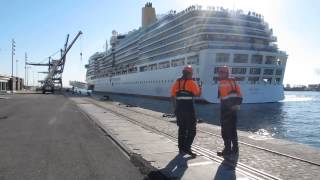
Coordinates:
<point>148,60</point>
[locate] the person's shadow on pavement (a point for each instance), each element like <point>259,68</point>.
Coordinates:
<point>226,170</point>
<point>175,169</point>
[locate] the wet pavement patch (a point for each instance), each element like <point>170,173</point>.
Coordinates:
<point>3,117</point>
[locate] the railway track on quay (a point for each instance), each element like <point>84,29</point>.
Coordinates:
<point>241,142</point>
<point>250,171</point>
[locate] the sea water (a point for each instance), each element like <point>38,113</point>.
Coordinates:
<point>296,118</point>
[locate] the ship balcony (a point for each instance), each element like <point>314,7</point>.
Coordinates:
<point>273,38</point>
<point>237,45</point>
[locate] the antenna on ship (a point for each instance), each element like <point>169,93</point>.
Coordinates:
<point>234,4</point>
<point>106,46</point>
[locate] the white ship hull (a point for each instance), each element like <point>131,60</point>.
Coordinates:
<point>157,83</point>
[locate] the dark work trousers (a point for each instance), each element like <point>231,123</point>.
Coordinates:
<point>229,128</point>
<point>187,123</point>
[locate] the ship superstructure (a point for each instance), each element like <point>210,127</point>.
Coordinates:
<point>148,60</point>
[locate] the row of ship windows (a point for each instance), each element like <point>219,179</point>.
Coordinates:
<point>182,42</point>
<point>159,54</point>
<point>149,82</point>
<point>256,59</point>
<point>238,58</point>
<point>201,20</point>
<point>168,38</point>
<point>174,63</point>
<point>194,60</point>
<point>254,80</point>
<point>252,71</point>
<point>182,24</point>
<point>191,60</point>
<point>250,80</point>
<point>198,30</point>
<point>244,58</point>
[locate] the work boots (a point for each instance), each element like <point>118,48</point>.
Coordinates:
<point>225,152</point>
<point>192,154</point>
<point>189,152</point>
<point>227,149</point>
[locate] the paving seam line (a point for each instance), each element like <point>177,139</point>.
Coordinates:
<point>144,166</point>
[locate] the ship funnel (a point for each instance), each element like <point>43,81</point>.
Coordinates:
<point>148,15</point>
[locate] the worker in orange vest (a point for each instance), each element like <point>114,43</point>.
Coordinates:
<point>230,97</point>
<point>182,93</point>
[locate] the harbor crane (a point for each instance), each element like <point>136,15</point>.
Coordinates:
<point>53,79</point>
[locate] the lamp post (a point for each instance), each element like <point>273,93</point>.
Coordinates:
<point>33,78</point>
<point>17,67</point>
<point>27,68</point>
<point>12,54</point>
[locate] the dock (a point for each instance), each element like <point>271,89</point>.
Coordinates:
<point>153,138</point>
<point>149,140</point>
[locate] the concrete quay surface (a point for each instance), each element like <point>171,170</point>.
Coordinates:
<point>145,133</point>
<point>47,137</point>
<point>152,151</point>
<point>59,137</point>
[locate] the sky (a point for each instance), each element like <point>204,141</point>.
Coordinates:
<point>40,27</point>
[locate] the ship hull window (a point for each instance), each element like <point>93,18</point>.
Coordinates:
<point>271,60</point>
<point>256,59</point>
<point>279,72</point>
<point>255,70</point>
<point>240,58</point>
<point>239,71</point>
<point>163,65</point>
<point>177,62</point>
<point>222,57</point>
<point>193,60</point>
<point>268,72</point>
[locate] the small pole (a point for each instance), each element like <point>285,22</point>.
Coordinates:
<point>12,54</point>
<point>28,75</point>
<point>38,80</point>
<point>17,67</point>
<point>33,78</point>
<point>25,68</point>
<point>49,65</point>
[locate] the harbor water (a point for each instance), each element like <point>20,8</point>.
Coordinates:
<point>296,118</point>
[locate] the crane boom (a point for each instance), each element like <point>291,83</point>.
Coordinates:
<point>54,76</point>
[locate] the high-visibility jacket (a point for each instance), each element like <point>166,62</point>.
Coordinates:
<point>184,90</point>
<point>229,92</point>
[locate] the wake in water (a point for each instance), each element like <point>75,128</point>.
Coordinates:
<point>297,98</point>
<point>261,134</point>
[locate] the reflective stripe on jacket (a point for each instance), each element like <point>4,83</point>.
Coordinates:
<point>228,88</point>
<point>230,94</point>
<point>185,88</point>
